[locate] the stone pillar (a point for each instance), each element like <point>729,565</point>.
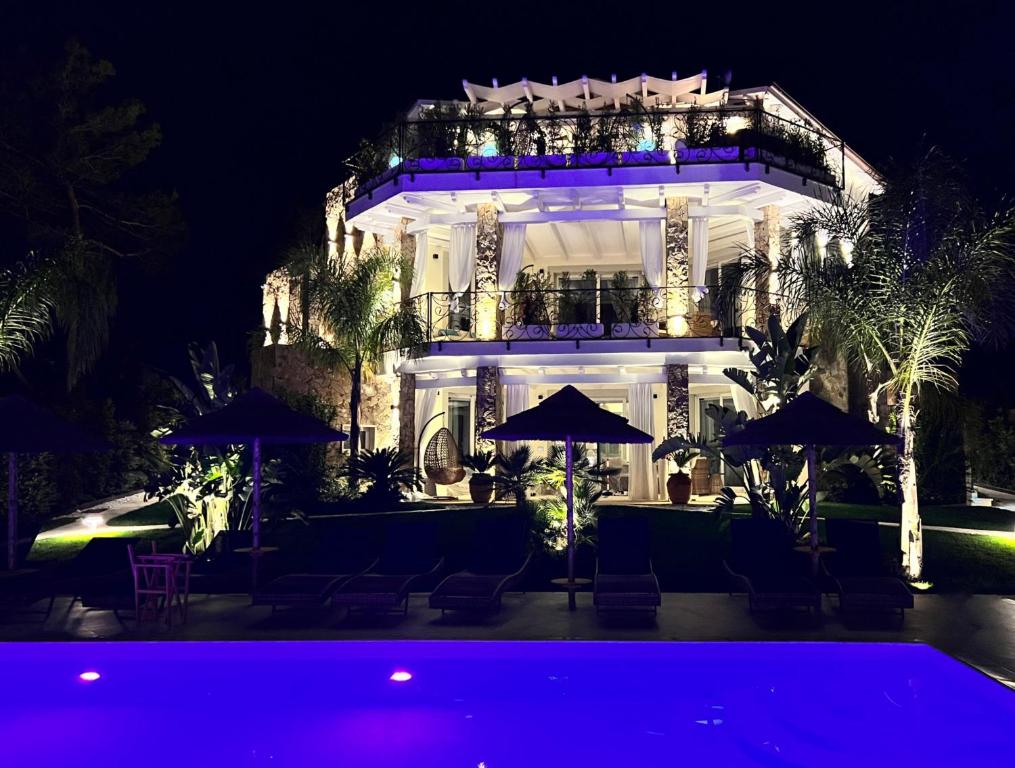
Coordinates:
<point>678,301</point>
<point>487,263</point>
<point>487,404</point>
<point>407,247</point>
<point>275,293</point>
<point>407,416</point>
<point>678,401</point>
<point>766,243</point>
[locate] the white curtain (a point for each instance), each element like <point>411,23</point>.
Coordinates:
<point>419,264</point>
<point>699,255</point>
<point>461,260</point>
<point>426,403</point>
<point>511,254</point>
<point>652,261</point>
<point>641,486</point>
<point>744,401</point>
<point>516,400</point>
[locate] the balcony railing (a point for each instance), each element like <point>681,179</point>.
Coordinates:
<point>579,314</point>
<point>479,144</point>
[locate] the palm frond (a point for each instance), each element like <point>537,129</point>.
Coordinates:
<point>26,311</point>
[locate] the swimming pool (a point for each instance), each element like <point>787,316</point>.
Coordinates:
<point>497,704</point>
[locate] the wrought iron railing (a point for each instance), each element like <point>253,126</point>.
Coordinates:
<point>435,143</point>
<point>577,314</point>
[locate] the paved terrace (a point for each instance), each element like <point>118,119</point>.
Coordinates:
<point>979,629</point>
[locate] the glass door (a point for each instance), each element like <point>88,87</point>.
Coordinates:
<point>460,423</point>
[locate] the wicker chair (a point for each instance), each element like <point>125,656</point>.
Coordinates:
<point>442,460</point>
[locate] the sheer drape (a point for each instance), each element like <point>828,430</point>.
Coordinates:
<point>461,260</point>
<point>652,261</point>
<point>744,401</point>
<point>419,264</point>
<point>511,254</point>
<point>641,484</point>
<point>426,404</point>
<point>516,400</point>
<point>699,256</point>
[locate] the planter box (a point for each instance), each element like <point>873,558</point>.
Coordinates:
<point>635,330</point>
<point>435,164</point>
<point>578,330</point>
<point>540,162</point>
<point>520,331</point>
<point>708,154</point>
<point>498,162</point>
<point>650,157</point>
<point>593,159</point>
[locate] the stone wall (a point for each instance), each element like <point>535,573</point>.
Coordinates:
<point>279,368</point>
<point>678,401</point>
<point>678,300</point>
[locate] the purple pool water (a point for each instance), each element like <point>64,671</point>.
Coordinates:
<point>496,705</point>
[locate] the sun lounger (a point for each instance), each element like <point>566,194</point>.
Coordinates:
<point>624,577</point>
<point>332,564</point>
<point>498,561</point>
<point>858,573</point>
<point>409,558</point>
<point>762,564</point>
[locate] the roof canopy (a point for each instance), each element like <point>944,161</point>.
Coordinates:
<point>592,94</point>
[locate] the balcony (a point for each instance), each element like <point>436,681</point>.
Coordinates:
<point>436,144</point>
<point>582,314</point>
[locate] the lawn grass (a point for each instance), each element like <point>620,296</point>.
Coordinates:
<point>65,547</point>
<point>156,513</point>
<point>688,546</point>
<point>951,516</point>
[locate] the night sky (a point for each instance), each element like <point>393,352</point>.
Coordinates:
<point>260,103</point>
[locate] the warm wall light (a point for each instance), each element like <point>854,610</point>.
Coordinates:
<point>89,676</point>
<point>400,676</point>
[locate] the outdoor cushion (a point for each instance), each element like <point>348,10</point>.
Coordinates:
<point>299,588</point>
<point>859,593</point>
<point>626,591</point>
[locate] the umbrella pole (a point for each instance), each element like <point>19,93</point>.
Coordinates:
<point>569,485</point>
<point>12,510</point>
<point>255,519</point>
<point>812,492</point>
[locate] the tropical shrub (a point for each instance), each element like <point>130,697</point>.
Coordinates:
<point>386,473</point>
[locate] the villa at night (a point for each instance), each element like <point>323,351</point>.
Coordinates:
<point>620,204</point>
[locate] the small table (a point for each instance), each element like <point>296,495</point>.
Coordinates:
<point>571,587</point>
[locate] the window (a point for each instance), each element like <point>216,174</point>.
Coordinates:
<point>460,423</point>
<point>607,312</point>
<point>367,438</point>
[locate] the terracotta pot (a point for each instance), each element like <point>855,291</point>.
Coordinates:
<point>678,487</point>
<point>481,488</point>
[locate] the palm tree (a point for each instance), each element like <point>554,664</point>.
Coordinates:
<point>26,311</point>
<point>910,279</point>
<point>354,318</point>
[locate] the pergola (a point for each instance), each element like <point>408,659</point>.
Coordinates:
<point>592,94</point>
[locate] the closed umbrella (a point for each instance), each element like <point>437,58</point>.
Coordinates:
<point>29,428</point>
<point>254,418</point>
<point>571,417</point>
<point>810,421</point>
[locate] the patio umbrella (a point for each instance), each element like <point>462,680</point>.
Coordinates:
<point>29,428</point>
<point>810,421</point>
<point>254,418</point>
<point>570,416</point>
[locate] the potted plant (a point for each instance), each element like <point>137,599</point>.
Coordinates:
<point>705,137</point>
<point>634,307</point>
<point>530,315</point>
<point>540,141</point>
<point>576,308</point>
<point>481,484</point>
<point>647,137</point>
<point>437,139</point>
<point>678,484</point>
<point>496,145</point>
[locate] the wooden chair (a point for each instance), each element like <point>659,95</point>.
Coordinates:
<point>442,460</point>
<point>153,582</point>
